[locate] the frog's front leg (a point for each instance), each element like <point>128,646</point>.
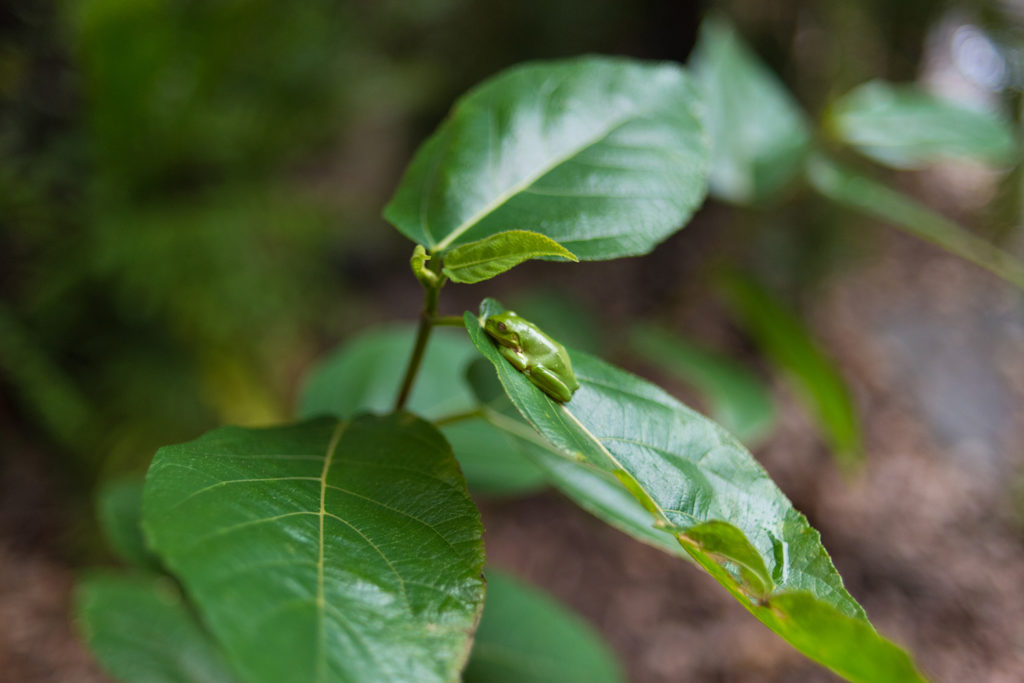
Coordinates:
<point>550,383</point>
<point>516,358</point>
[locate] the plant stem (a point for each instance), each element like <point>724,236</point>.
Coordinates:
<point>422,336</point>
<point>459,417</point>
<point>519,429</point>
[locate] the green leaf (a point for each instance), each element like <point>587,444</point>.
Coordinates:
<point>727,544</point>
<point>687,472</point>
<point>354,543</point>
<point>605,156</point>
<point>759,134</point>
<point>496,462</point>
<point>738,400</point>
<point>482,382</point>
<point>859,192</point>
<point>493,461</point>
<point>904,127</point>
<point>790,345</point>
<point>141,631</point>
<point>365,372</point>
<point>482,260</point>
<point>595,490</point>
<point>850,647</point>
<point>601,494</point>
<point>119,505</point>
<point>527,637</point>
<point>364,375</point>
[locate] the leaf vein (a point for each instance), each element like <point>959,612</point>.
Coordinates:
<point>519,186</point>
<point>265,456</point>
<point>597,195</point>
<point>321,659</point>
<point>251,522</point>
<point>226,482</point>
<point>390,564</point>
<point>426,475</point>
<point>395,510</point>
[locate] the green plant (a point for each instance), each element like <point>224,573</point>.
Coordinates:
<point>346,546</point>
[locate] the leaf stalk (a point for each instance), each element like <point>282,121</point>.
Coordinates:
<point>428,319</point>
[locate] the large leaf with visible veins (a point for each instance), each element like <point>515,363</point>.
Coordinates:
<point>698,484</point>
<point>364,374</point>
<point>605,156</point>
<point>324,551</point>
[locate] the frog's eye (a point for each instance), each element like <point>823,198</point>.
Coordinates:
<point>502,327</point>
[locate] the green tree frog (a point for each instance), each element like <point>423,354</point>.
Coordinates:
<point>544,361</point>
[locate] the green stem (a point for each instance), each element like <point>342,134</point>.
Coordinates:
<point>422,337</point>
<point>523,431</point>
<point>428,272</point>
<point>459,417</point>
<point>519,429</point>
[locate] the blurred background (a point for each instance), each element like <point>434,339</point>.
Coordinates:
<point>190,198</point>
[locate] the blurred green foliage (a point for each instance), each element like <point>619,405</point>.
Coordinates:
<point>164,250</point>
<point>161,258</point>
<point>190,189</point>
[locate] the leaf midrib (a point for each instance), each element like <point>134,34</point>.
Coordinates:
<point>615,461</point>
<point>529,180</point>
<point>504,257</point>
<point>321,600</point>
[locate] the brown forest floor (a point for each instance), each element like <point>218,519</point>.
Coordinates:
<point>925,536</point>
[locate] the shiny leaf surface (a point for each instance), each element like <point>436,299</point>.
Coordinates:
<point>605,156</point>
<point>598,492</point>
<point>738,400</point>
<point>687,472</point>
<point>354,543</point>
<point>482,260</point>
